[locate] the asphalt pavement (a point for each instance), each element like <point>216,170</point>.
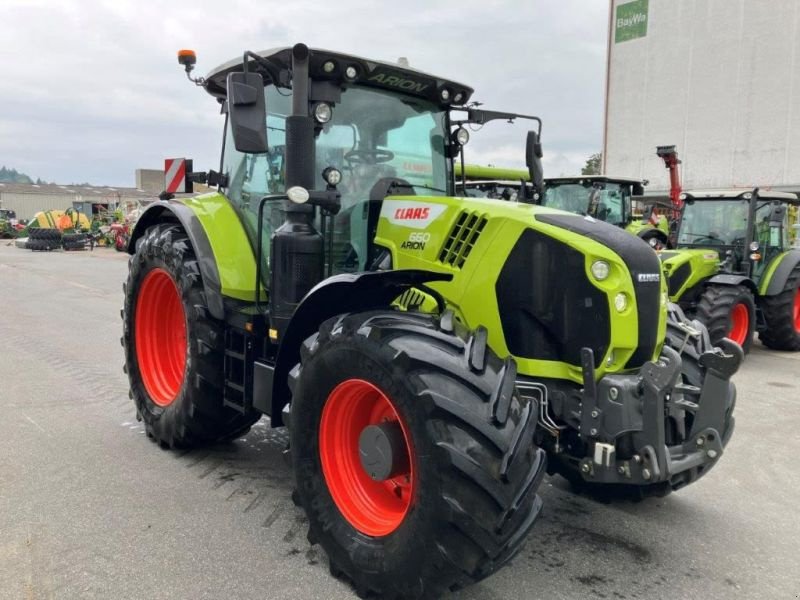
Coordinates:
<point>91,508</point>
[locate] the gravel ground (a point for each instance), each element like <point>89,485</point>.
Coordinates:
<point>90,508</point>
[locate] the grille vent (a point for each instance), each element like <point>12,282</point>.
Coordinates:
<point>462,239</point>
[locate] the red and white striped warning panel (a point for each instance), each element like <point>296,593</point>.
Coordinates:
<point>174,174</point>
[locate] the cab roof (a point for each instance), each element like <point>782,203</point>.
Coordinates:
<point>603,178</point>
<point>740,193</point>
<point>397,78</point>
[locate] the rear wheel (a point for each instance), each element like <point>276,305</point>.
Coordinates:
<point>173,346</point>
<point>413,453</point>
<point>782,314</point>
<point>728,311</point>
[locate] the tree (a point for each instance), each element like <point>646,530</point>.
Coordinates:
<point>593,164</point>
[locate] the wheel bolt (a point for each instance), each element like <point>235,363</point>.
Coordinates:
<point>701,441</point>
<point>712,454</point>
<point>646,474</point>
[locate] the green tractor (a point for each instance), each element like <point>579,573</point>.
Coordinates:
<point>608,199</point>
<point>410,340</point>
<point>734,268</point>
<point>8,222</point>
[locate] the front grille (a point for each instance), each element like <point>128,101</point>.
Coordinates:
<point>549,309</point>
<point>640,260</point>
<point>678,277</point>
<point>462,239</point>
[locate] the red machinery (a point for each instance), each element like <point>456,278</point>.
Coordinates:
<point>671,161</point>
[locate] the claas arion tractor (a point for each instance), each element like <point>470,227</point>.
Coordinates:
<point>735,268</point>
<point>410,340</point>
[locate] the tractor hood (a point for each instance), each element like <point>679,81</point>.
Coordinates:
<point>684,269</point>
<point>545,283</point>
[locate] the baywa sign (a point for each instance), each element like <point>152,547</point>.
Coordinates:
<point>631,21</point>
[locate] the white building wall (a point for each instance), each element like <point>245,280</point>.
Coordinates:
<point>717,78</point>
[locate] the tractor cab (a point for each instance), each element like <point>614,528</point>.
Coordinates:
<point>746,229</point>
<point>603,198</point>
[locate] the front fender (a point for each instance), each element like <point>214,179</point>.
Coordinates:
<point>728,279</point>
<point>345,293</point>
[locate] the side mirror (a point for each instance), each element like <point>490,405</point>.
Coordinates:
<point>533,156</point>
<point>247,112</point>
<point>638,189</point>
<point>776,214</point>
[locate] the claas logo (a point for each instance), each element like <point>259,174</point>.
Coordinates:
<point>409,214</point>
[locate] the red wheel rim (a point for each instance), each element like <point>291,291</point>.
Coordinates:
<point>740,324</point>
<point>375,508</point>
<point>797,311</point>
<point>160,337</point>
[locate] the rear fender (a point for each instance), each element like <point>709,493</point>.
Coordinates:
<point>174,211</point>
<point>345,293</point>
<point>224,254</point>
<point>778,272</point>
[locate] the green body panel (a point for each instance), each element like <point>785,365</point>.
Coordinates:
<point>703,263</point>
<point>479,172</point>
<point>766,277</point>
<point>639,226</point>
<point>233,253</point>
<point>471,292</point>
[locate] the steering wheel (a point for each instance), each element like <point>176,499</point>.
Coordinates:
<point>707,239</point>
<point>368,157</point>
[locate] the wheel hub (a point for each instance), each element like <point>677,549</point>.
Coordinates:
<point>381,449</point>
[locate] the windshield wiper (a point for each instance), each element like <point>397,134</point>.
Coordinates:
<point>427,187</point>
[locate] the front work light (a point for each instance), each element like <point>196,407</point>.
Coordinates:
<point>323,112</point>
<point>600,270</point>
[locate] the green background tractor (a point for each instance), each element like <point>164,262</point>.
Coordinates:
<point>734,268</point>
<point>426,351</point>
<point>608,199</point>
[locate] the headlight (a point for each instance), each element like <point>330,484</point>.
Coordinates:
<point>600,270</point>
<point>329,66</point>
<point>621,302</point>
<point>323,112</point>
<point>461,136</point>
<point>332,176</point>
<point>351,72</point>
<point>297,194</point>
<point>444,94</point>
<point>753,246</point>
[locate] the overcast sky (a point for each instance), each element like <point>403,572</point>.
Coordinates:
<point>90,90</point>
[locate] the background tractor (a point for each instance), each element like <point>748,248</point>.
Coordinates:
<point>608,199</point>
<point>409,339</point>
<point>734,268</point>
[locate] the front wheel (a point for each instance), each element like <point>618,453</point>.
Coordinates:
<point>728,311</point>
<point>413,453</point>
<point>782,314</point>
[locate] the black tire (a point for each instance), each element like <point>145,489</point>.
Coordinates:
<point>656,239</point>
<point>196,415</point>
<point>44,234</point>
<point>38,245</point>
<point>475,497</point>
<point>783,329</point>
<point>74,241</point>
<point>715,309</point>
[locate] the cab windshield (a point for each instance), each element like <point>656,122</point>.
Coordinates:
<point>713,222</point>
<point>604,201</point>
<point>372,136</point>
